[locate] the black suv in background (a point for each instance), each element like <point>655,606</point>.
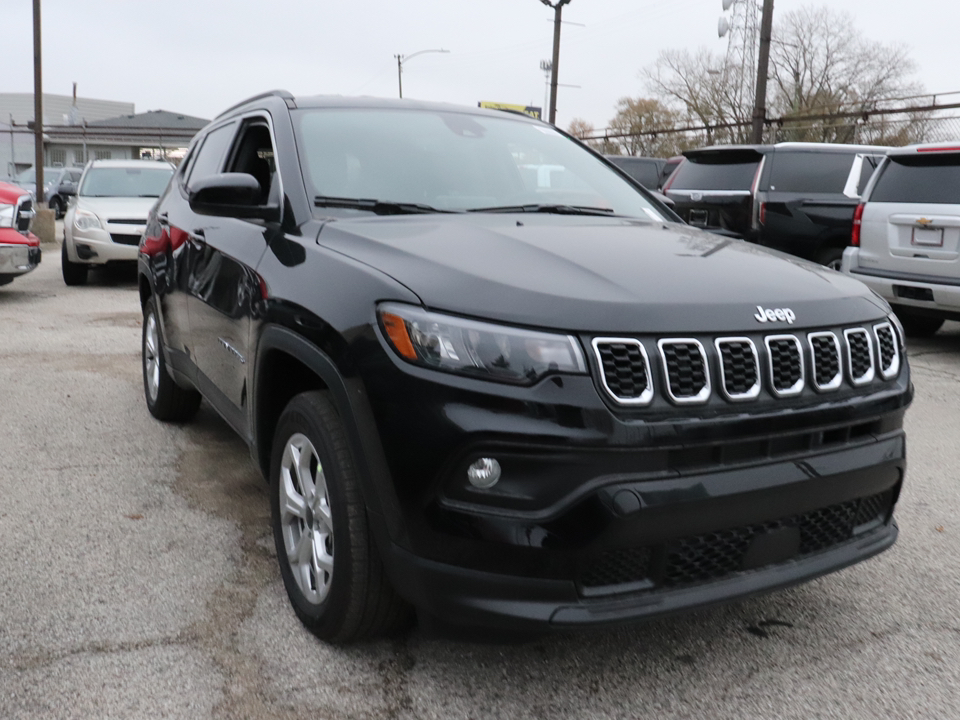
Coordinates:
<point>486,375</point>
<point>796,197</point>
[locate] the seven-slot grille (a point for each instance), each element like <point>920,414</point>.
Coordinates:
<point>858,355</point>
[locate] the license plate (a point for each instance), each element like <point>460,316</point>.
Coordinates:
<point>928,237</point>
<point>698,217</point>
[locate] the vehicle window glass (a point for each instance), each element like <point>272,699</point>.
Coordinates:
<point>645,172</point>
<point>253,155</point>
<point>209,159</point>
<point>74,176</point>
<point>870,163</point>
<point>810,172</point>
<point>729,172</point>
<point>455,161</point>
<point>919,179</point>
<point>125,181</point>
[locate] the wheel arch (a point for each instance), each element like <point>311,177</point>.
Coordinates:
<point>288,364</point>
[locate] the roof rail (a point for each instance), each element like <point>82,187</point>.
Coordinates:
<point>284,94</point>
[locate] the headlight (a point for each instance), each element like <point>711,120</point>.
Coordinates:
<point>86,220</point>
<point>6,215</point>
<point>482,350</point>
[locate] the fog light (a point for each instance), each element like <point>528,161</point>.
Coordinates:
<point>484,473</point>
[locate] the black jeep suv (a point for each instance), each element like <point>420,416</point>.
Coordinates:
<point>489,377</point>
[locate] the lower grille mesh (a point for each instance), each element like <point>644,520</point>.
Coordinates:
<point>710,556</point>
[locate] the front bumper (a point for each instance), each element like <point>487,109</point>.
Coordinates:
<point>931,295</point>
<point>98,247</point>
<point>635,550</point>
<point>18,258</point>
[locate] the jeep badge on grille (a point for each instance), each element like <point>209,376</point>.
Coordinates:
<point>774,315</point>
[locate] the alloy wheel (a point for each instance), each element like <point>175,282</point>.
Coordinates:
<point>151,362</point>
<point>305,518</point>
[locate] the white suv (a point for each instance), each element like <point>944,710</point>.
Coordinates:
<point>906,235</point>
<point>106,221</point>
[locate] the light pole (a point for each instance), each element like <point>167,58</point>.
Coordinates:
<point>763,66</point>
<point>401,59</point>
<point>555,64</point>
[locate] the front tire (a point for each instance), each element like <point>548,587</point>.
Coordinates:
<point>166,400</point>
<point>58,207</point>
<point>329,562</point>
<point>73,273</point>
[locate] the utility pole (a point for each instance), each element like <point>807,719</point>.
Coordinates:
<point>400,73</point>
<point>37,103</point>
<point>763,67</point>
<point>555,65</point>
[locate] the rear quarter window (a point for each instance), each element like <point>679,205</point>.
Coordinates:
<point>810,172</point>
<point>919,179</point>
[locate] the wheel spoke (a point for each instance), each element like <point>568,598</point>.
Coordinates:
<point>322,560</point>
<point>321,512</point>
<point>291,502</point>
<point>308,483</point>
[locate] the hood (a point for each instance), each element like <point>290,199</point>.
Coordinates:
<point>10,194</point>
<point>118,208</point>
<point>599,275</point>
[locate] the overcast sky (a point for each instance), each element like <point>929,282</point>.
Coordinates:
<point>200,56</point>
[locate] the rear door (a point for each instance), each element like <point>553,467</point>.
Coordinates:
<point>714,188</point>
<point>911,220</point>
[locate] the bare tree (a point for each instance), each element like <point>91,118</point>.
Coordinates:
<point>581,128</point>
<point>820,64</point>
<point>643,122</point>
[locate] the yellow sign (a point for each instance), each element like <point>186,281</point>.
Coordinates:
<point>533,112</point>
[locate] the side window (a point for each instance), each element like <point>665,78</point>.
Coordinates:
<point>209,158</point>
<point>253,155</point>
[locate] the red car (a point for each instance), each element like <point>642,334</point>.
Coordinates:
<point>19,248</point>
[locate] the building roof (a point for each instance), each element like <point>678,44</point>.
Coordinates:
<point>153,120</point>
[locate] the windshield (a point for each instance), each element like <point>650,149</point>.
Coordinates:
<point>30,174</point>
<point>455,161</point>
<point>125,181</point>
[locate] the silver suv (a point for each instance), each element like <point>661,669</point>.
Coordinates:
<point>906,235</point>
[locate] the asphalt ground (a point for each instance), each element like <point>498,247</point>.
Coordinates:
<point>138,577</point>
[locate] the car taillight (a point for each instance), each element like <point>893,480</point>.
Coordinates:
<point>857,218</point>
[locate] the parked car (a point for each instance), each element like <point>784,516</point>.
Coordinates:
<point>645,170</point>
<point>518,400</point>
<point>60,188</point>
<point>27,179</point>
<point>795,197</point>
<point>19,248</point>
<point>105,223</point>
<point>906,235</point>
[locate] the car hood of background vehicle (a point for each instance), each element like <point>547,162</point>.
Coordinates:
<point>599,275</point>
<point>123,208</point>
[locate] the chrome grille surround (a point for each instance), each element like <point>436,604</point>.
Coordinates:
<point>856,339</point>
<point>704,393</point>
<point>887,344</point>
<point>837,379</point>
<point>798,385</point>
<point>754,390</point>
<point>647,395</point>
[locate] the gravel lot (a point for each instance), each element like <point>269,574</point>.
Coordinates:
<point>139,579</point>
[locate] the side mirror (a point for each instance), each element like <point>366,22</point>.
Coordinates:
<point>234,195</point>
<point>68,188</point>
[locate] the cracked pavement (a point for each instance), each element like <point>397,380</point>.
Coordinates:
<point>139,577</point>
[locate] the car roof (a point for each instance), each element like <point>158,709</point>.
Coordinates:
<point>129,163</point>
<point>950,146</point>
<point>811,146</point>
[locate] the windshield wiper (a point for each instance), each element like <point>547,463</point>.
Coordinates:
<point>378,207</point>
<point>554,209</point>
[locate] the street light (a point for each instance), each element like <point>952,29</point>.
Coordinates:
<point>555,65</point>
<point>401,59</point>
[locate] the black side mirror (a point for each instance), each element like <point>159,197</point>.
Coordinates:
<point>230,195</point>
